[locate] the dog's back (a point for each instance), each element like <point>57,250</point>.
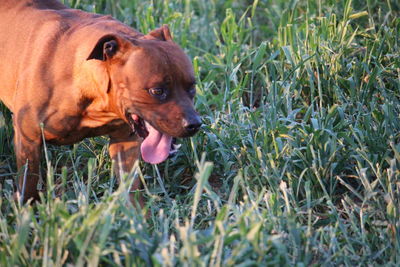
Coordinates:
<point>17,20</point>
<point>42,4</point>
<point>33,32</point>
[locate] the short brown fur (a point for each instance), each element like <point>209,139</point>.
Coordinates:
<point>48,77</point>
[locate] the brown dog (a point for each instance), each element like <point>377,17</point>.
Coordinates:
<point>83,75</point>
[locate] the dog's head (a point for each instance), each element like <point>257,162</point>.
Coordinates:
<point>152,86</point>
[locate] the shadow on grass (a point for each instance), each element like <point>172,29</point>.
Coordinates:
<point>7,161</point>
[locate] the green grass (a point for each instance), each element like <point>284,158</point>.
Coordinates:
<point>297,162</point>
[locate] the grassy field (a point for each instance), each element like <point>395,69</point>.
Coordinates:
<point>297,163</point>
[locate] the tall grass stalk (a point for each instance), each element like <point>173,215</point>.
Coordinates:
<point>297,162</point>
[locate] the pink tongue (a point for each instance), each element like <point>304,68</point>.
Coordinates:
<point>156,146</point>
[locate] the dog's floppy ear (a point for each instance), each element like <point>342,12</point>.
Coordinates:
<point>106,47</point>
<point>162,33</point>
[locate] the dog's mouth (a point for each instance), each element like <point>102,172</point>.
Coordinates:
<point>156,146</point>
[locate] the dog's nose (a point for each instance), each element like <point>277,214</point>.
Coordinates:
<point>192,125</point>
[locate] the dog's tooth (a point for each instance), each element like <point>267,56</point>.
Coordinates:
<point>176,146</point>
<point>174,149</point>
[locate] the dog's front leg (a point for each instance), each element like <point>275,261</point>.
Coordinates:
<point>124,151</point>
<point>27,152</point>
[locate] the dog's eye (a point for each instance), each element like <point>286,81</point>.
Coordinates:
<point>158,92</point>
